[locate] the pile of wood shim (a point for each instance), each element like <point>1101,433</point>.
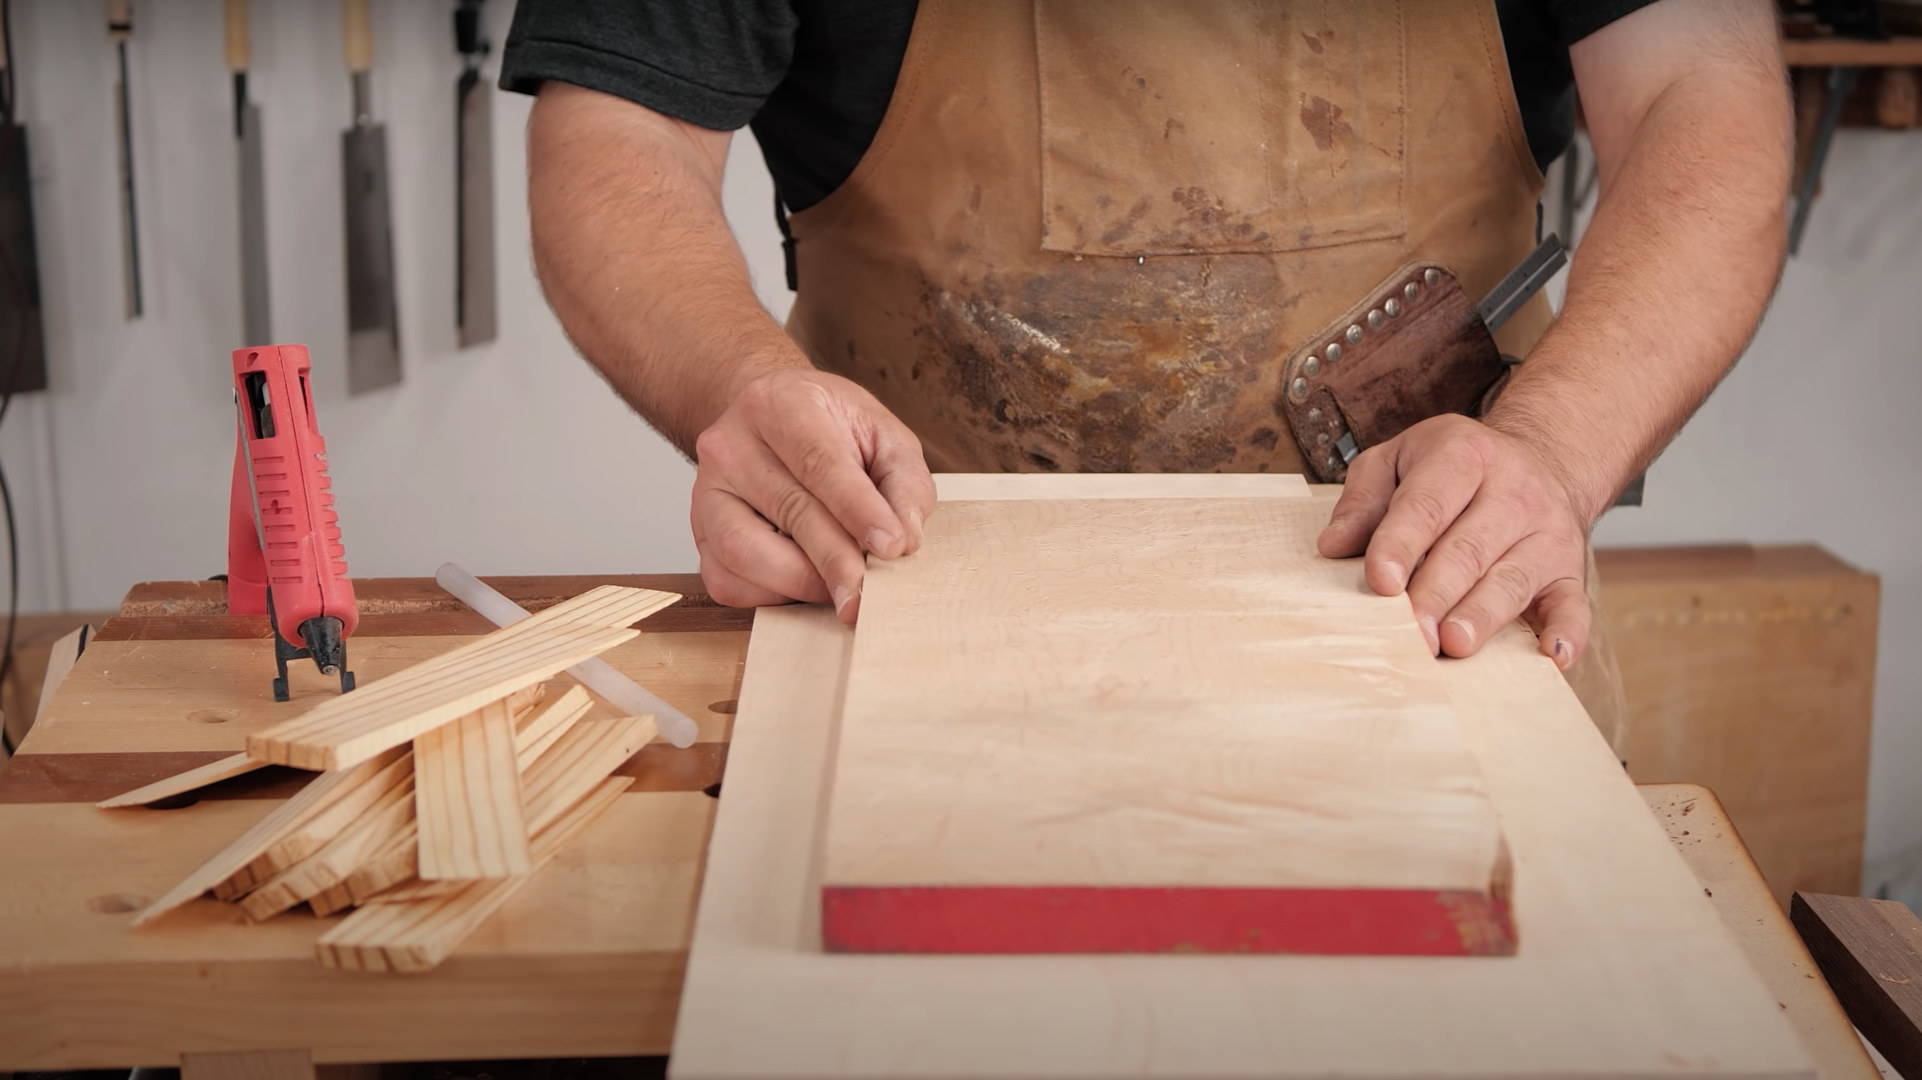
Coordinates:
<point>442,789</point>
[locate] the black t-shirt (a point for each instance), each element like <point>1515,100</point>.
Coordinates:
<point>813,77</point>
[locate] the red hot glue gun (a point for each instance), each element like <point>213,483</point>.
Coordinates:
<point>284,555</point>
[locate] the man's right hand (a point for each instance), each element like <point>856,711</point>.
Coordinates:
<point>802,477</point>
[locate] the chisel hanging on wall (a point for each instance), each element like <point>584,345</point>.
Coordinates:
<point>120,31</point>
<point>254,297</point>
<point>473,181</point>
<point>373,321</point>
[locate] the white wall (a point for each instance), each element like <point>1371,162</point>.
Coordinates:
<point>515,457</point>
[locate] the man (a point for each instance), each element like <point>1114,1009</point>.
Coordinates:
<point>1112,235</point>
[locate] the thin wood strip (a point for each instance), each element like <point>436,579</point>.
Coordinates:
<point>581,759</point>
<point>181,783</point>
<point>90,777</point>
<point>538,731</point>
<point>391,866</point>
<point>425,696</point>
<point>339,857</point>
<point>418,936</point>
<point>343,730</point>
<point>312,835</point>
<point>582,752</point>
<point>408,892</point>
<point>328,901</point>
<point>314,799</point>
<point>342,736</point>
<point>467,799</point>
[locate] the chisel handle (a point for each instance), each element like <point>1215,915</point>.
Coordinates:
<point>236,35</point>
<point>357,35</point>
<point>119,19</point>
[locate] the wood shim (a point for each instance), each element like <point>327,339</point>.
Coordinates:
<point>347,729</point>
<point>536,732</point>
<point>309,836</point>
<point>181,783</point>
<point>1625,969</point>
<point>1150,725</point>
<point>467,799</point>
<point>584,753</point>
<point>339,857</point>
<point>419,935</point>
<point>302,807</point>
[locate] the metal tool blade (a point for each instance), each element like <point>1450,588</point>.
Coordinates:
<point>23,357</point>
<point>373,324</point>
<point>1524,281</point>
<point>474,299</point>
<point>255,298</point>
<point>129,211</point>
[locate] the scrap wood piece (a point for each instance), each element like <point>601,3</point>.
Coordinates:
<point>181,783</point>
<point>1870,951</point>
<point>536,732</point>
<point>579,758</point>
<point>1132,736</point>
<point>320,794</point>
<point>344,730</point>
<point>467,799</point>
<point>419,935</point>
<point>311,835</point>
<point>339,857</point>
<point>409,891</point>
<point>577,762</point>
<point>391,866</point>
<point>327,901</point>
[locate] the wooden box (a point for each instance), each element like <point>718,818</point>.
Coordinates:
<point>1751,671</point>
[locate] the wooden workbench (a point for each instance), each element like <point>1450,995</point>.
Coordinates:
<point>587,961</point>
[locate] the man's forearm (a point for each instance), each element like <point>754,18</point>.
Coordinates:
<point>1667,286</point>
<point>634,252</point>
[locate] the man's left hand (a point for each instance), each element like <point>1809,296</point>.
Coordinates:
<point>1483,521</point>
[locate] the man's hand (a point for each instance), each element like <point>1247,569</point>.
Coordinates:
<point>800,478</point>
<point>1485,524</point>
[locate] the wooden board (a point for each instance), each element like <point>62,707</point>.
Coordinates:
<point>467,791</point>
<point>347,729</point>
<point>1751,671</point>
<point>1871,953</point>
<point>964,487</point>
<point>1625,969</point>
<point>1146,726</point>
<point>1701,831</point>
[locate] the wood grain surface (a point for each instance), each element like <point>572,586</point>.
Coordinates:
<point>1871,953</point>
<point>1148,725</point>
<point>346,729</point>
<point>1625,969</point>
<point>467,797</point>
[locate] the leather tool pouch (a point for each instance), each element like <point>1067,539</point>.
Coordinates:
<point>1414,348</point>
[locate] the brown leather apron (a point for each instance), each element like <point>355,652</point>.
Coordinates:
<point>1089,233</point>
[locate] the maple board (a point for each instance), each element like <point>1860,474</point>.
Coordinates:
<point>1626,969</point>
<point>1142,725</point>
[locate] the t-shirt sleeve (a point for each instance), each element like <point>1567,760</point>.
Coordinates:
<point>1576,19</point>
<point>712,63</point>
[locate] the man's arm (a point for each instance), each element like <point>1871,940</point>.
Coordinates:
<point>799,472</point>
<point>1688,111</point>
